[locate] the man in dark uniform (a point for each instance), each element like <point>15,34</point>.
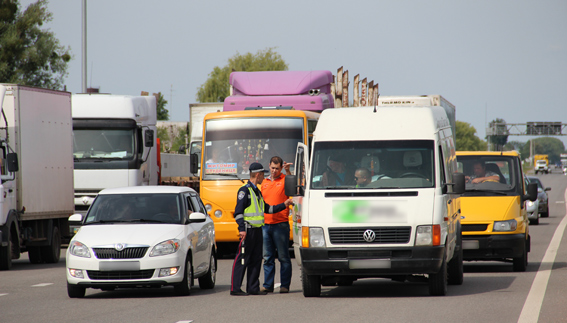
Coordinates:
<point>249,215</point>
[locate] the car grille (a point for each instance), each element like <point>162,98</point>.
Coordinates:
<point>126,253</point>
<point>474,227</point>
<point>383,235</point>
<point>120,275</point>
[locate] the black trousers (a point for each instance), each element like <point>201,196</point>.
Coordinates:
<point>253,254</point>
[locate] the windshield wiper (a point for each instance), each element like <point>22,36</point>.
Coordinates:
<point>231,175</point>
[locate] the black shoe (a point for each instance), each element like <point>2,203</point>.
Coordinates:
<point>259,292</point>
<point>238,293</point>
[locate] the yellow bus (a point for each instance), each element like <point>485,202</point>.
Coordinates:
<point>231,142</point>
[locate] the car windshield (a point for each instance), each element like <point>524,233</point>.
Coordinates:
<point>373,164</point>
<point>140,208</point>
<point>231,145</point>
<point>488,173</point>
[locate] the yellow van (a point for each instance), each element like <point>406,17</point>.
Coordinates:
<point>493,214</point>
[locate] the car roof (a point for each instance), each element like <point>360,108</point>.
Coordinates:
<point>152,189</point>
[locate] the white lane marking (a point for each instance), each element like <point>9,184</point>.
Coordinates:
<point>532,306</point>
<point>560,202</point>
<point>190,321</point>
<point>42,285</point>
<point>3,294</point>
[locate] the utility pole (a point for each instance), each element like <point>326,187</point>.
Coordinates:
<point>84,47</point>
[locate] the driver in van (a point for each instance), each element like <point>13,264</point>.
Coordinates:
<point>337,173</point>
<point>481,175</point>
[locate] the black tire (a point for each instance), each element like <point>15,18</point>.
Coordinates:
<point>438,281</point>
<point>311,284</point>
<point>6,254</point>
<point>184,288</point>
<point>534,221</point>
<point>75,291</point>
<point>34,253</point>
<point>455,269</point>
<point>520,264</point>
<point>546,213</point>
<point>52,253</point>
<point>208,280</point>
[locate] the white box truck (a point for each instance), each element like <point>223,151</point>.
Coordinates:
<point>37,173</point>
<point>114,144</point>
<point>197,113</point>
<point>378,197</point>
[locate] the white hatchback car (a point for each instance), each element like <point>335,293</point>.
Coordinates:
<point>144,236</point>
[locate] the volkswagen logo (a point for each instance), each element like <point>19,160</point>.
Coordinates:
<point>119,246</point>
<point>369,235</point>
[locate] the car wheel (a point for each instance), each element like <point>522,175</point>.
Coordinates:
<point>34,253</point>
<point>438,281</point>
<point>521,263</point>
<point>534,221</point>
<point>546,213</point>
<point>52,252</point>
<point>75,291</point>
<point>208,281</point>
<point>455,270</point>
<point>184,288</point>
<point>311,284</point>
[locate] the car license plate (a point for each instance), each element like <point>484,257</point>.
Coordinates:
<point>119,265</point>
<point>470,244</point>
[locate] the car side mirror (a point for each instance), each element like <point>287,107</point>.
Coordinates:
<point>77,217</point>
<point>547,189</point>
<point>196,217</point>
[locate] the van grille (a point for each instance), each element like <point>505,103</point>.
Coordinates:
<point>383,235</point>
<point>474,227</point>
<point>127,253</point>
<point>119,275</point>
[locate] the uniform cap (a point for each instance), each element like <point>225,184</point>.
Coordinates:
<point>255,168</point>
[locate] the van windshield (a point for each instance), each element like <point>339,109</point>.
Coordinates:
<point>488,173</point>
<point>373,164</point>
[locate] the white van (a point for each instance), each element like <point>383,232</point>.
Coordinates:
<point>398,218</point>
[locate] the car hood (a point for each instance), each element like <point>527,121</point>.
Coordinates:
<point>140,234</point>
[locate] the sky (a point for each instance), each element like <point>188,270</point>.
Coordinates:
<point>491,58</point>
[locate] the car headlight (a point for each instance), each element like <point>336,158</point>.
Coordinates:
<point>165,248</point>
<point>530,203</point>
<point>208,207</point>
<point>78,249</point>
<point>510,225</point>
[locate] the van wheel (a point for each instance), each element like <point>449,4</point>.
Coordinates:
<point>52,252</point>
<point>438,281</point>
<point>311,284</point>
<point>455,270</point>
<point>209,279</point>
<point>521,263</point>
<point>6,254</point>
<point>75,291</point>
<point>184,288</point>
<point>546,213</point>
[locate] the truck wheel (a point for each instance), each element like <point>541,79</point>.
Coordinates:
<point>546,213</point>
<point>52,253</point>
<point>208,281</point>
<point>75,291</point>
<point>184,288</point>
<point>455,270</point>
<point>6,254</point>
<point>311,284</point>
<point>521,263</point>
<point>34,253</point>
<point>438,281</point>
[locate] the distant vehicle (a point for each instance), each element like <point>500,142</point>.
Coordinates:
<point>532,207</point>
<point>143,236</point>
<point>541,164</point>
<point>541,196</point>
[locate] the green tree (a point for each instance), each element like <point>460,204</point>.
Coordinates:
<point>216,87</point>
<point>162,112</point>
<point>466,138</point>
<point>547,146</point>
<point>514,145</point>
<point>30,55</point>
<point>498,141</point>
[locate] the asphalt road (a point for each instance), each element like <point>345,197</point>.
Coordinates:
<point>491,292</point>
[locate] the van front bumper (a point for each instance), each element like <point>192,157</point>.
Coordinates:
<point>496,246</point>
<point>371,262</point>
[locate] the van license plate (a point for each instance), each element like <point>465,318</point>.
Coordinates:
<point>369,263</point>
<point>470,244</point>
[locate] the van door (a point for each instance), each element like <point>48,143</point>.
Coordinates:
<point>301,164</point>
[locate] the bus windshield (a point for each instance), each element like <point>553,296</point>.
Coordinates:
<point>231,145</point>
<point>373,165</point>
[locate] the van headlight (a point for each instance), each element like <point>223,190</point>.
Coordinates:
<point>428,235</point>
<point>312,237</point>
<point>510,225</point>
<point>79,249</point>
<point>165,248</point>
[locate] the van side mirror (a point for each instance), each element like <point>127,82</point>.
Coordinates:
<point>12,160</point>
<point>458,183</point>
<point>532,192</point>
<point>149,138</point>
<point>291,186</point>
<point>193,163</point>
